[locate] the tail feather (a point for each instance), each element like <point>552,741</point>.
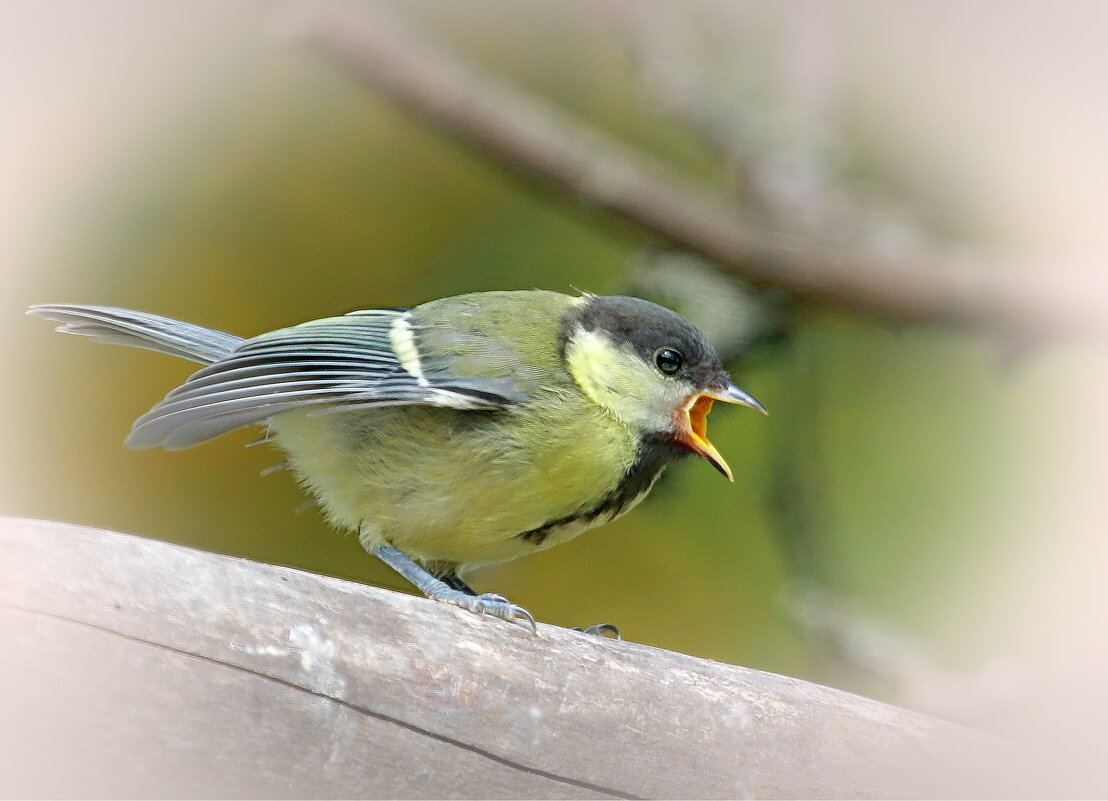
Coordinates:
<point>138,329</point>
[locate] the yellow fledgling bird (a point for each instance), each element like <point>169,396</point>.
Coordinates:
<point>463,432</point>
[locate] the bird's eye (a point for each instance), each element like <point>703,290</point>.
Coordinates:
<point>668,360</point>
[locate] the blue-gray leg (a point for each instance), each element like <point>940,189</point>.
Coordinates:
<point>438,590</point>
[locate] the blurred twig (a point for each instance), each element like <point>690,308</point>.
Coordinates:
<point>893,279</point>
<point>766,111</point>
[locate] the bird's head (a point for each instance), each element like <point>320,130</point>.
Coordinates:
<point>651,368</point>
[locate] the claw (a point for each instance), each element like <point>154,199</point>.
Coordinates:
<point>494,605</point>
<point>601,630</point>
<point>519,613</point>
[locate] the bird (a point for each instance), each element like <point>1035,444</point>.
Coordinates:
<point>459,433</point>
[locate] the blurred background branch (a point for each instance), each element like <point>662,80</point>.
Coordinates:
<point>847,262</point>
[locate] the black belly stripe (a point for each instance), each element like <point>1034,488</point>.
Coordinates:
<point>654,454</point>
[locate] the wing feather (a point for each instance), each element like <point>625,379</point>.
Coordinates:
<point>336,364</point>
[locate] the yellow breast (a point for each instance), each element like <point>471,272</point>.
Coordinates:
<point>458,486</point>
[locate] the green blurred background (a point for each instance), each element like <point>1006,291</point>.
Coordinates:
<point>178,158</point>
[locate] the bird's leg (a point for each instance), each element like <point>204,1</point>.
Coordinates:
<point>438,590</point>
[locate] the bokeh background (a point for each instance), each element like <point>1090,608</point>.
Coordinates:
<point>921,516</point>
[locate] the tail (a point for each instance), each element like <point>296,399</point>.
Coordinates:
<point>140,330</point>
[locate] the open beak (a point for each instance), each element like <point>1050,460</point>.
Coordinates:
<point>693,421</point>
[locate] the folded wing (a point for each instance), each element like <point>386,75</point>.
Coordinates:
<point>336,364</point>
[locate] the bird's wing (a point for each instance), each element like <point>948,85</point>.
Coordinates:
<point>363,359</point>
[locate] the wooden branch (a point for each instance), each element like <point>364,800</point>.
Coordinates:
<point>134,667</point>
<point>545,144</point>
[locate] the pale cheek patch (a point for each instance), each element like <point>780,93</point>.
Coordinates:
<point>588,358</point>
<point>403,344</point>
<point>622,383</point>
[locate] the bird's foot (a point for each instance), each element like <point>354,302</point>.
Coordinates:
<point>438,590</point>
<point>488,603</point>
<point>601,630</point>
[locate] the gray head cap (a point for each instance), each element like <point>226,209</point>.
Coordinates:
<point>649,328</point>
